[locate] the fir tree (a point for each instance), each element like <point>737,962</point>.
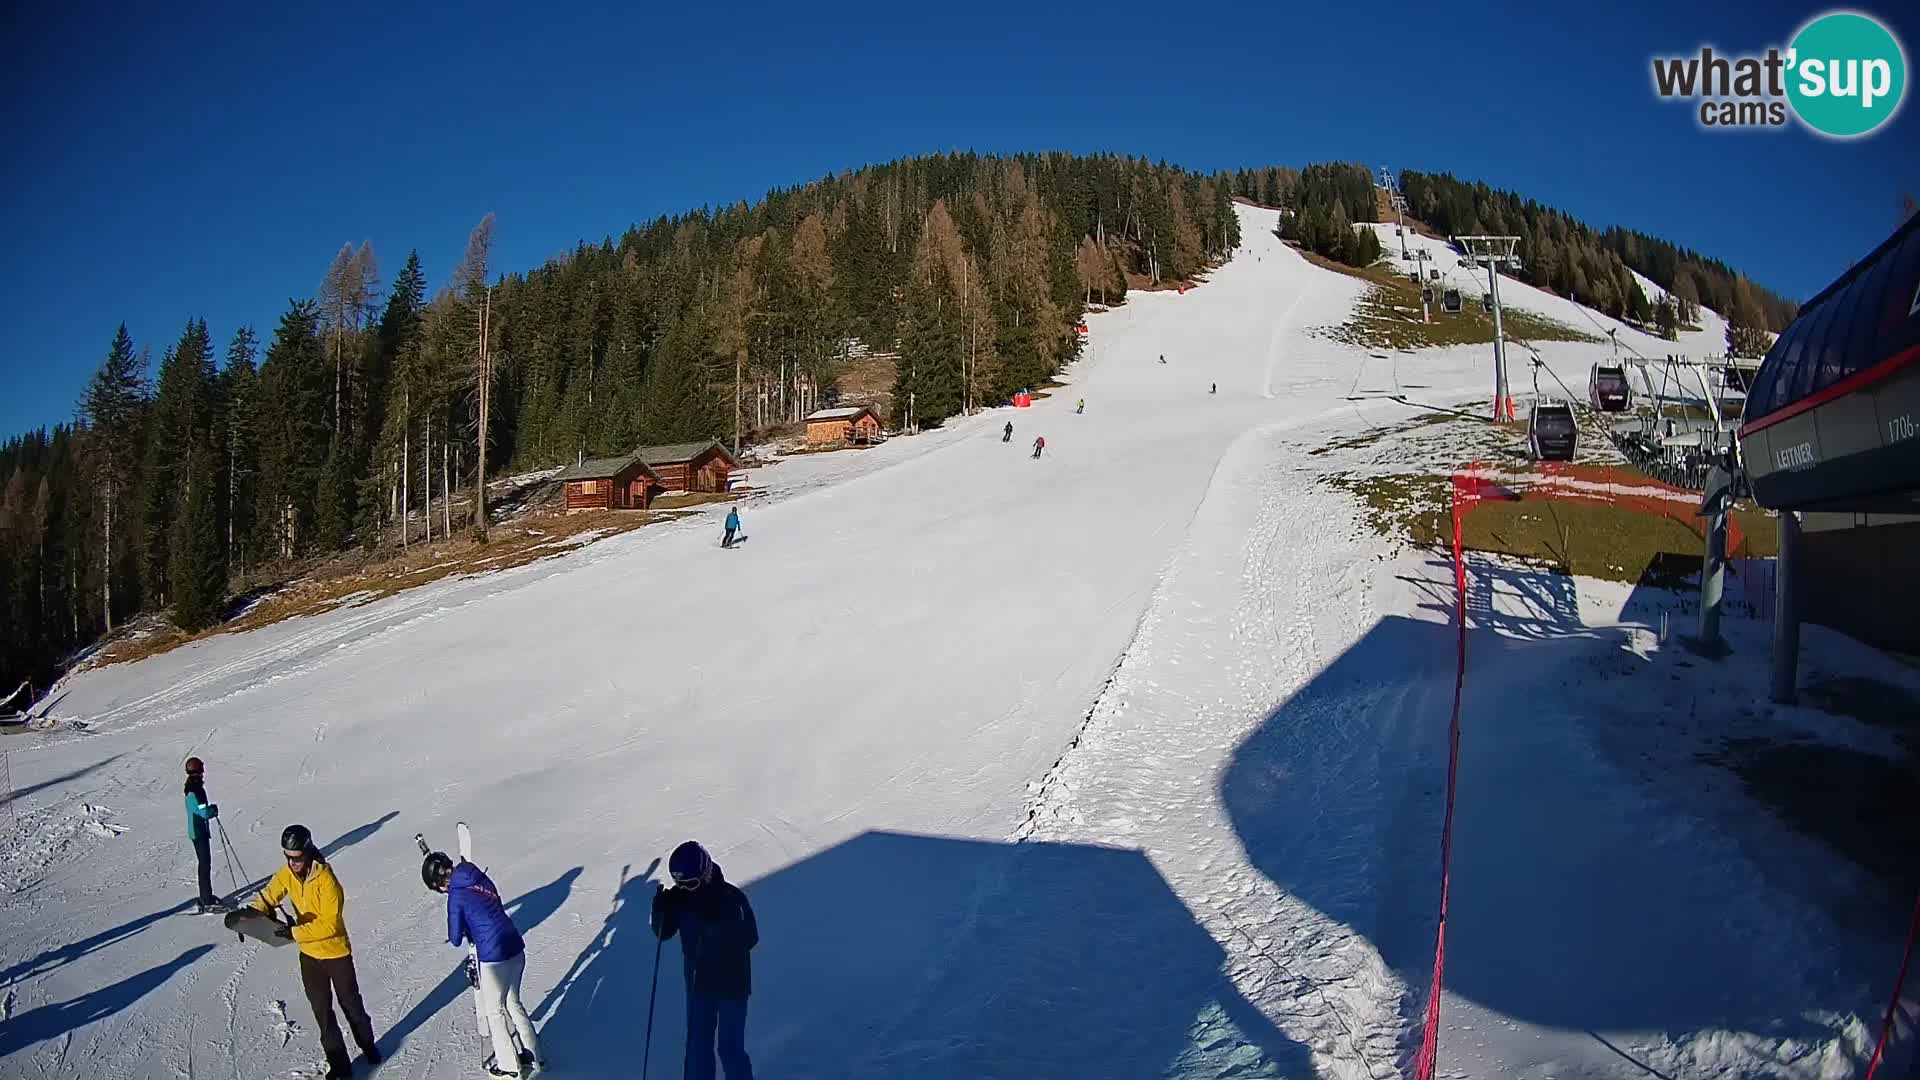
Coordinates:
<point>197,575</point>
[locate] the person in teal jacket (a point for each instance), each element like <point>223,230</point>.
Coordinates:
<point>200,814</point>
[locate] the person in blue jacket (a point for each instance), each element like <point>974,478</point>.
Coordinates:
<point>717,935</point>
<point>475,913</point>
<point>733,526</point>
<point>200,814</point>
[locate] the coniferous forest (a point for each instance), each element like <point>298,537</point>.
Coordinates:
<point>178,477</point>
<point>231,456</point>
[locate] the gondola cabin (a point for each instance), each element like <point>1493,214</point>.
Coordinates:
<point>1552,434</point>
<point>1450,301</point>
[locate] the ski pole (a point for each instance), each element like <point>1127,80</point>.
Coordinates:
<point>233,856</point>
<point>647,1050</point>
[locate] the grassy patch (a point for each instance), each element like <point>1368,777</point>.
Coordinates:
<point>1614,543</point>
<point>361,578</point>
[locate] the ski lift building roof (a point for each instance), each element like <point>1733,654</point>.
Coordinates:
<point>1832,421</point>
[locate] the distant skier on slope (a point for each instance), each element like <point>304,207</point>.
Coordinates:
<point>1007,435</point>
<point>1163,358</point>
<point>474,912</point>
<point>717,935</point>
<point>1081,406</point>
<point>1213,388</point>
<point>319,927</point>
<point>1039,444</point>
<point>733,526</point>
<point>200,815</point>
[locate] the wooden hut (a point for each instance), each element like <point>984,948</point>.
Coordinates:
<point>615,483</point>
<point>698,466</point>
<point>831,427</point>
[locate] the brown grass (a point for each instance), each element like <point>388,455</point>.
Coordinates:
<point>868,380</point>
<point>1388,316</point>
<point>366,578</point>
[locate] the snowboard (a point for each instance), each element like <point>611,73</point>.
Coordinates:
<point>252,923</point>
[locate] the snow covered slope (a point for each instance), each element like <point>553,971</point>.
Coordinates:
<point>863,713</point>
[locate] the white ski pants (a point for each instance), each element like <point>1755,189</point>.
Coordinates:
<point>500,995</point>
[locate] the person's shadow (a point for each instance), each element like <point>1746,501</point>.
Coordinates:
<point>54,1020</point>
<point>900,955</point>
<point>528,911</point>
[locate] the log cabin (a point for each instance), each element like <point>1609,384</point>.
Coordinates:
<point>615,483</point>
<point>857,424</point>
<point>696,466</point>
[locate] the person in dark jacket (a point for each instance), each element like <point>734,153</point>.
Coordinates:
<point>200,815</point>
<point>1007,435</point>
<point>717,935</point>
<point>1039,444</point>
<point>475,913</point>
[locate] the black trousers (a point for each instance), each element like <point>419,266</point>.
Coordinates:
<point>203,854</point>
<point>325,980</point>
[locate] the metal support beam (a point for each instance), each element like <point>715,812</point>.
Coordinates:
<point>1786,612</point>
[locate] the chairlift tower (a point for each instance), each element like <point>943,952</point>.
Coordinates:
<point>1399,204</point>
<point>1495,251</point>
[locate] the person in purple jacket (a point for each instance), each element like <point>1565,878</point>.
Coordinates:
<point>474,913</point>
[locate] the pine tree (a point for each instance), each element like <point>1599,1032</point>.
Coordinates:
<point>238,389</point>
<point>1665,318</point>
<point>197,575</point>
<point>290,420</point>
<point>114,408</point>
<point>182,418</point>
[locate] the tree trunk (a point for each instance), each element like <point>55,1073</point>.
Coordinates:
<point>426,479</point>
<point>106,560</point>
<point>446,493</point>
<point>486,395</point>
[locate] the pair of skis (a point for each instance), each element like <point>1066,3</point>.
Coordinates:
<point>482,1026</point>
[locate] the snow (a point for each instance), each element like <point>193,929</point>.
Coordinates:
<point>1124,761</point>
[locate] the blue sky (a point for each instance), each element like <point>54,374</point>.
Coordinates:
<point>165,163</point>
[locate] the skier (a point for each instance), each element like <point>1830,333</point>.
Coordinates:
<point>1163,358</point>
<point>1081,406</point>
<point>319,927</point>
<point>1007,435</point>
<point>200,815</point>
<point>717,935</point>
<point>1039,444</point>
<point>733,526</point>
<point>474,911</point>
<point>1213,388</point>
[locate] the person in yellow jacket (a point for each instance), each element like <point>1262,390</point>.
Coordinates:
<point>319,927</point>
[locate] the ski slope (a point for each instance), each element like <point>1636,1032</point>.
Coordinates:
<point>1116,762</point>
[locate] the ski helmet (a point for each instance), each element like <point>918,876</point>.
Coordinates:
<point>435,869</point>
<point>296,838</point>
<point>195,766</point>
<point>689,864</point>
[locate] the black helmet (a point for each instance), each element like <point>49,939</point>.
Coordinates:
<point>195,765</point>
<point>435,869</point>
<point>295,838</point>
<point>689,864</point>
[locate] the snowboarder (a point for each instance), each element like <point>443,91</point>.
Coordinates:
<point>717,935</point>
<point>200,815</point>
<point>319,927</point>
<point>474,912</point>
<point>1039,444</point>
<point>733,526</point>
<point>1081,406</point>
<point>1007,435</point>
